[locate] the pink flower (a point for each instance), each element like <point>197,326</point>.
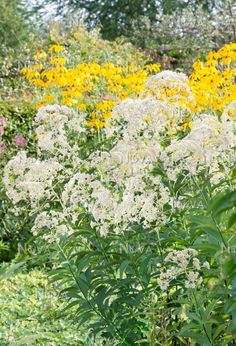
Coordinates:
<point>20,141</point>
<point>3,148</point>
<point>1,130</point>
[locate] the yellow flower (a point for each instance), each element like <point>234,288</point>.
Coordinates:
<point>58,61</point>
<point>39,105</point>
<point>49,98</point>
<point>96,123</point>
<point>40,55</point>
<point>81,106</point>
<point>106,115</point>
<point>56,48</point>
<point>213,83</point>
<point>86,86</point>
<point>68,101</point>
<point>153,67</point>
<point>105,105</point>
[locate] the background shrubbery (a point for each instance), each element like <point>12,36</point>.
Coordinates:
<point>31,313</point>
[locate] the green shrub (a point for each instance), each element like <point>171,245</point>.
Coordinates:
<point>30,314</point>
<point>18,118</point>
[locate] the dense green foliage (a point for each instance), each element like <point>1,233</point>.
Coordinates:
<point>115,17</point>
<point>14,28</point>
<point>18,118</point>
<point>18,115</point>
<point>31,313</point>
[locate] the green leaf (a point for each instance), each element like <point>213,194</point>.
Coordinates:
<point>232,220</point>
<point>229,268</point>
<point>205,224</point>
<point>84,317</point>
<point>123,267</point>
<point>223,202</point>
<point>200,338</point>
<point>83,285</point>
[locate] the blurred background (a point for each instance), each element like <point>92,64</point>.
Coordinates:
<point>174,31</point>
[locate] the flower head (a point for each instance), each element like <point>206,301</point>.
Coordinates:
<point>3,148</point>
<point>20,141</point>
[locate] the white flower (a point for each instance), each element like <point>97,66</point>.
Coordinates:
<point>182,262</point>
<point>206,265</point>
<point>30,179</point>
<point>171,86</point>
<point>54,125</point>
<point>193,279</point>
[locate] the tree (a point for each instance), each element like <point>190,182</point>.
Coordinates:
<point>189,33</point>
<point>115,17</point>
<point>13,24</point>
<point>170,6</point>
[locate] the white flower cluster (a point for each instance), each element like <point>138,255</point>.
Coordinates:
<point>169,86</point>
<point>117,187</point>
<point>53,224</point>
<point>135,202</point>
<point>210,144</point>
<point>184,266</point>
<point>54,126</point>
<point>146,117</point>
<point>29,179</point>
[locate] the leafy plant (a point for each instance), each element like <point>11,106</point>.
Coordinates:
<point>31,313</point>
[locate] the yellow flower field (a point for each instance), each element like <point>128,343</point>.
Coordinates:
<point>92,87</point>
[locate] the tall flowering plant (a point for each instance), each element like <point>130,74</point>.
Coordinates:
<point>130,217</point>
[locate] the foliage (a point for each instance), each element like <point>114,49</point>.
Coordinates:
<point>13,26</point>
<point>188,34</point>
<point>16,133</point>
<point>84,46</point>
<point>31,313</point>
<point>12,83</point>
<point>115,17</point>
<point>17,117</point>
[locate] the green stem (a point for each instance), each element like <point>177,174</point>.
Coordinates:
<point>203,325</point>
<point>211,215</point>
<point>88,301</point>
